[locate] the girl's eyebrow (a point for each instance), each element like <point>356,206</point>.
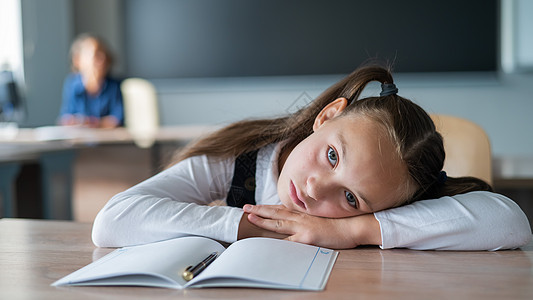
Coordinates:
<point>342,141</point>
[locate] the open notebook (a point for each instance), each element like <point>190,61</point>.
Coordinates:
<point>253,262</point>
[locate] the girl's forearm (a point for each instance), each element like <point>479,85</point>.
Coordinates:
<point>471,221</point>
<point>365,229</point>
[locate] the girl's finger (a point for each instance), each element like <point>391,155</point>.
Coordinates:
<point>276,225</point>
<point>269,211</point>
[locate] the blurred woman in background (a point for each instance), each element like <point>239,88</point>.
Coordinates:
<point>90,96</point>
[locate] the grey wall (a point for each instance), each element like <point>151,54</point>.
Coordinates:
<point>48,28</point>
<point>502,104</point>
<point>46,32</point>
<point>524,38</point>
<point>102,17</point>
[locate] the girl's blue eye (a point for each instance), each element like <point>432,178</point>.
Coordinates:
<point>332,156</point>
<point>352,200</point>
<point>333,160</point>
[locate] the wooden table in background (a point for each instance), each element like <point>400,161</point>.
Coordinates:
<point>35,253</point>
<point>69,173</point>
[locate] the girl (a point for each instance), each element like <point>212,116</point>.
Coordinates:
<point>339,173</point>
<point>90,96</point>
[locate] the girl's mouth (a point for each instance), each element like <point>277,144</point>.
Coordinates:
<point>293,193</point>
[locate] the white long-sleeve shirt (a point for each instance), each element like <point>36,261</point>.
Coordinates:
<point>175,203</point>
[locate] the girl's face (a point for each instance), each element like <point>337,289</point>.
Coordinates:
<point>347,167</point>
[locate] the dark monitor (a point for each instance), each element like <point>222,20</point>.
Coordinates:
<point>9,98</point>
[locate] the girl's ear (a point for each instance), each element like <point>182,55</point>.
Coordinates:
<point>330,111</point>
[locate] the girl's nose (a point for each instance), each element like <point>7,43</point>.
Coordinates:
<point>318,188</point>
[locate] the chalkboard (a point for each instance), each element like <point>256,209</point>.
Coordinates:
<point>219,38</point>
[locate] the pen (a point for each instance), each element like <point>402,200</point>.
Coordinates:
<point>190,272</point>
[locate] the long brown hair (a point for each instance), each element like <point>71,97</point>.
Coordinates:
<point>411,129</point>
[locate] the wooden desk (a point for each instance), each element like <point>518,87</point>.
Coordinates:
<point>61,153</point>
<point>80,136</point>
<point>35,253</point>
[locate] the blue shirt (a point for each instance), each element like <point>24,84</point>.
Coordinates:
<point>76,101</point>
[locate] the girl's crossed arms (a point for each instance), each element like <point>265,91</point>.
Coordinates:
<point>339,173</point>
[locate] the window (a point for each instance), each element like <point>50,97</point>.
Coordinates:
<point>10,36</point>
<point>10,60</point>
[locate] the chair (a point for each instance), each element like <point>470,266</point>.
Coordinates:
<point>140,110</point>
<point>467,147</point>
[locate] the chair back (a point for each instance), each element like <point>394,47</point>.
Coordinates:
<point>467,147</point>
<point>141,114</point>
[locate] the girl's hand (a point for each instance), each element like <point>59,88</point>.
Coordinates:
<point>247,229</point>
<point>324,232</point>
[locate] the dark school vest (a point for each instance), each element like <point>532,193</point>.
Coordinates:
<point>242,190</point>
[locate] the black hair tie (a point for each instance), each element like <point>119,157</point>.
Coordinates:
<point>388,89</point>
<point>442,177</point>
